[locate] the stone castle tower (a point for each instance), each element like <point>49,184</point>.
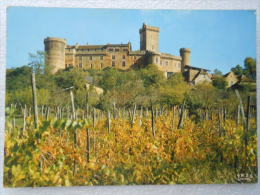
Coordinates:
<point>149,38</point>
<point>60,55</point>
<point>185,55</point>
<point>55,53</point>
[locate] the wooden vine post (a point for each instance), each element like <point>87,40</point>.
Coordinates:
<point>88,146</point>
<point>108,121</point>
<point>75,131</point>
<point>247,127</point>
<point>72,105</point>
<point>180,124</point>
<point>24,118</point>
<point>35,106</point>
<point>241,107</point>
<point>94,117</point>
<point>246,123</point>
<point>153,119</point>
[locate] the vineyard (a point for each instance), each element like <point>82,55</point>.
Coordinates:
<point>142,130</point>
<point>66,152</point>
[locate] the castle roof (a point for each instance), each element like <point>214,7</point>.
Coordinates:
<point>229,73</point>
<point>97,46</point>
<point>194,68</point>
<point>137,52</point>
<point>167,55</point>
<point>90,46</point>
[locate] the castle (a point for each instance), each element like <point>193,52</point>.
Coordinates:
<point>59,55</point>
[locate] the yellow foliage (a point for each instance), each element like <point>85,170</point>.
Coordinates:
<point>128,155</point>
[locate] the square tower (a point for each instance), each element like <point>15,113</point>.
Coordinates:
<point>149,38</point>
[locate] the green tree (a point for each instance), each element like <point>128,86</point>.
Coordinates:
<point>74,77</point>
<point>250,67</point>
<point>238,70</point>
<point>37,61</point>
<point>152,76</point>
<point>220,83</point>
<point>18,78</point>
<point>174,90</point>
<point>203,96</point>
<point>217,72</point>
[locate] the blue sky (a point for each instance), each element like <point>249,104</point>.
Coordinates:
<point>218,39</point>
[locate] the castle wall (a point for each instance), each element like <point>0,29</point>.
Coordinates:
<point>99,57</point>
<point>166,63</point>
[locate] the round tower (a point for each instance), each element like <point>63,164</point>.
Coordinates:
<point>185,55</point>
<point>54,54</point>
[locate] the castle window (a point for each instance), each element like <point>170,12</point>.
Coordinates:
<point>111,49</point>
<point>90,57</point>
<point>101,57</point>
<point>123,56</point>
<point>125,49</point>
<point>123,63</point>
<point>113,57</point>
<point>91,66</point>
<point>156,59</point>
<point>166,63</point>
<point>101,65</point>
<point>113,63</point>
<point>117,49</point>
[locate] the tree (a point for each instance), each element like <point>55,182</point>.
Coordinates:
<point>238,70</point>
<point>152,76</point>
<point>250,67</point>
<point>220,83</point>
<point>18,78</point>
<point>75,77</point>
<point>174,91</point>
<point>37,61</point>
<point>109,79</point>
<point>203,96</point>
<point>217,72</point>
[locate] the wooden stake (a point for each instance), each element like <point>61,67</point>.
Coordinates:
<point>94,117</point>
<point>72,105</point>
<point>24,118</point>
<point>88,146</point>
<point>141,116</point>
<point>241,107</point>
<point>153,119</point>
<point>108,121</point>
<point>34,101</point>
<point>180,124</point>
<point>238,114</point>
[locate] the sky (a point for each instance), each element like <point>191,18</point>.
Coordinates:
<point>218,39</point>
